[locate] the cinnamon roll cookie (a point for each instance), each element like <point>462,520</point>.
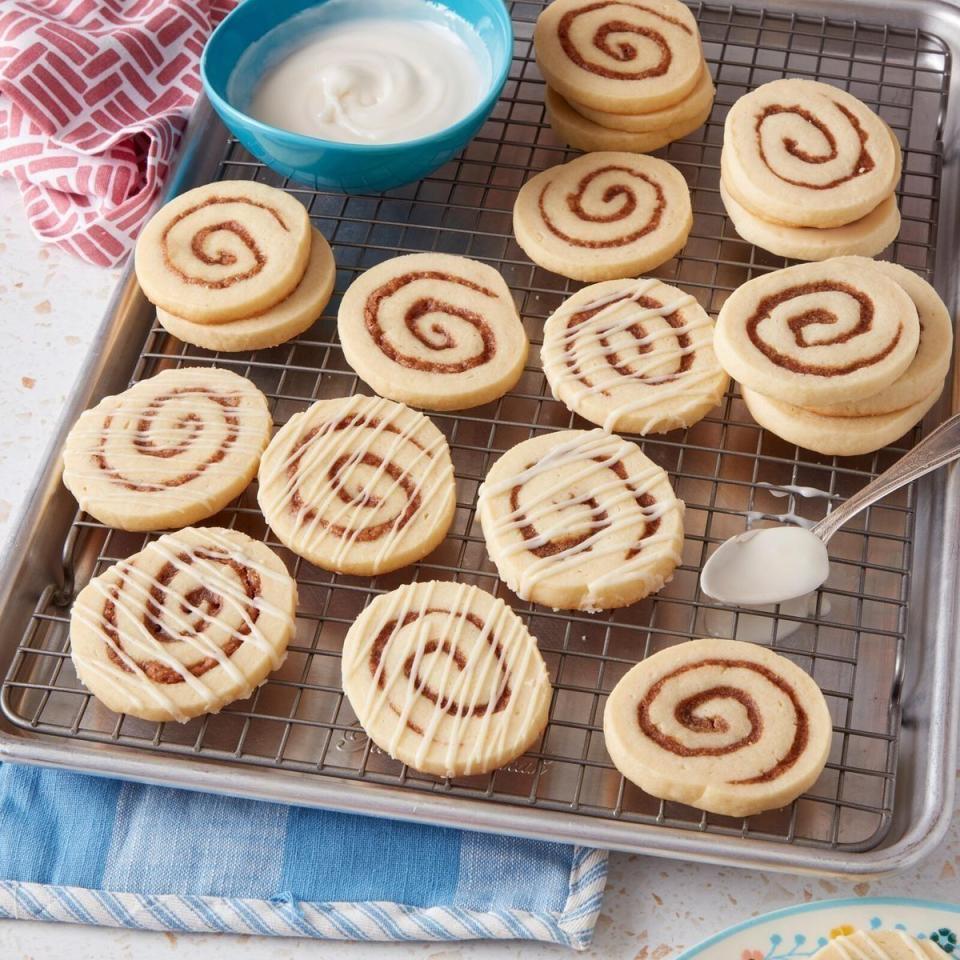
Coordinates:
<point>818,333</point>
<point>603,216</point>
<point>725,726</point>
<point>619,56</point>
<point>865,237</point>
<point>445,678</point>
<point>171,450</point>
<point>192,622</point>
<point>283,321</point>
<point>581,520</point>
<point>931,362</point>
<point>633,356</point>
<point>842,436</point>
<point>802,158</point>
<point>587,134</point>
<point>878,945</point>
<point>224,251</point>
<point>358,485</point>
<point>433,330</point>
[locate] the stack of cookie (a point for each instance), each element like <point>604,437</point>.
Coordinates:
<point>623,76</point>
<point>235,266</point>
<point>842,357</point>
<point>809,172</point>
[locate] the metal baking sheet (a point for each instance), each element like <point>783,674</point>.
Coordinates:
<point>880,642</point>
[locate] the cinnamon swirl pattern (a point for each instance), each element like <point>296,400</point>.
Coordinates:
<point>603,216</point>
<point>878,945</point>
<point>224,251</point>
<point>724,726</point>
<point>171,450</point>
<point>619,56</point>
<point>192,622</point>
<point>633,356</point>
<point>358,485</point>
<point>580,520</point>
<point>445,678</point>
<point>818,333</point>
<point>275,325</point>
<point>805,154</point>
<point>433,330</point>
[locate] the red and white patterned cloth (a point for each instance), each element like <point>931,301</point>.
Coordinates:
<point>94,95</point>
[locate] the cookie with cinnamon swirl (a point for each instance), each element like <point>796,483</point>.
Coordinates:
<point>725,726</point>
<point>586,134</point>
<point>445,678</point>
<point>865,237</point>
<point>931,363</point>
<point>806,154</point>
<point>619,56</point>
<point>173,449</point>
<point>358,485</point>
<point>433,330</point>
<point>818,333</point>
<point>192,622</point>
<point>603,216</point>
<point>878,945</point>
<point>275,325</point>
<point>633,356</point>
<point>224,251</point>
<point>842,436</point>
<point>581,520</point>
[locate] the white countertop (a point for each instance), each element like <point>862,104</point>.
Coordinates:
<point>49,306</point>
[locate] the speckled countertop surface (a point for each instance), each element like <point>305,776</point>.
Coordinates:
<point>50,304</point>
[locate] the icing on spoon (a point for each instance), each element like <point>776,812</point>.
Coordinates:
<point>779,563</point>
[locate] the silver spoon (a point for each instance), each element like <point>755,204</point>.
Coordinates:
<point>775,564</point>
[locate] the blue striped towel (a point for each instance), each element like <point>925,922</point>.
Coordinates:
<point>81,849</point>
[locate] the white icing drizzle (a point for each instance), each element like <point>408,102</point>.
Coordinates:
<point>116,439</point>
<point>130,602</point>
<point>576,347</point>
<point>575,461</point>
<point>754,515</point>
<point>517,666</point>
<point>786,490</point>
<point>301,463</point>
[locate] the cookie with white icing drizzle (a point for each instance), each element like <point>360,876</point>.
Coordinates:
<point>821,333</point>
<point>806,154</point>
<point>358,485</point>
<point>172,450</point>
<point>725,726</point>
<point>283,321</point>
<point>433,330</point>
<point>581,520</point>
<point>633,356</point>
<point>224,251</point>
<point>194,621</point>
<point>603,215</point>
<point>878,945</point>
<point>620,56</point>
<point>445,678</point>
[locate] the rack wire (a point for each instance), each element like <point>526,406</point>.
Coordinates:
<point>729,472</point>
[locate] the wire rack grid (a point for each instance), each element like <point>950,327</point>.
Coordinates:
<point>729,472</point>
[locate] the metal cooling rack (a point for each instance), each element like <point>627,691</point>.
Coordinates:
<point>854,643</point>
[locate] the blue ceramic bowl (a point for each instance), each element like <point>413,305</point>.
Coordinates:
<point>229,78</point>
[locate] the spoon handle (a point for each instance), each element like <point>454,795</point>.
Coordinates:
<point>940,447</point>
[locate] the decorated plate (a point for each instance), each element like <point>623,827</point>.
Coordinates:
<point>796,932</point>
